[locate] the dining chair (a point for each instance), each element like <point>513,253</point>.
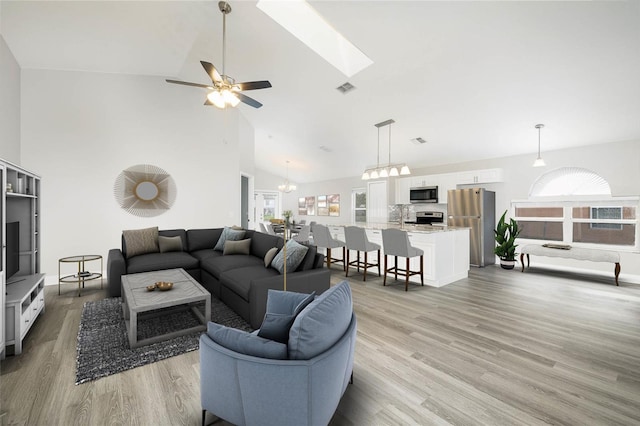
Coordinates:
<point>269,228</point>
<point>303,236</point>
<point>263,229</point>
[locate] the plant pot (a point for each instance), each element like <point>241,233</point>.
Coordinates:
<point>507,264</point>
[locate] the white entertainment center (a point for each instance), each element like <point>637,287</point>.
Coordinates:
<point>22,284</point>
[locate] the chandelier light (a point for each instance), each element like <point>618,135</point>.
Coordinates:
<point>539,161</point>
<point>389,169</point>
<point>287,186</point>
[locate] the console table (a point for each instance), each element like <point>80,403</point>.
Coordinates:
<point>82,275</point>
<point>24,302</point>
<point>579,253</point>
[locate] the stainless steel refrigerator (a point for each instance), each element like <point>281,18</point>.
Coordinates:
<point>475,208</point>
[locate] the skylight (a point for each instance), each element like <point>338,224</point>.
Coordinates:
<point>301,20</point>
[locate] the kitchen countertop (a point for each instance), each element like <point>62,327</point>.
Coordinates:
<point>425,229</point>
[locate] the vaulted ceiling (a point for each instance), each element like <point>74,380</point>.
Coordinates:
<point>471,78</point>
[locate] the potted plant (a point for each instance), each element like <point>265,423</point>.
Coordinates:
<point>506,234</point>
<point>288,214</point>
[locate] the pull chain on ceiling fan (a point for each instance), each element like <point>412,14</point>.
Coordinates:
<point>225,91</point>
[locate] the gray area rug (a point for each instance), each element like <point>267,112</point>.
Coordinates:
<point>103,347</point>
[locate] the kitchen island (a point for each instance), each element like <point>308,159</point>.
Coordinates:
<point>446,250</point>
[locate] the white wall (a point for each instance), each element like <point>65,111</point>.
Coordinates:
<point>80,130</point>
<point>9,105</point>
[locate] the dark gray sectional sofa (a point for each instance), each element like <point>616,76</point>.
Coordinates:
<point>241,281</point>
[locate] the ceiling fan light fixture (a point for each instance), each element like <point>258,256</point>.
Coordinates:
<point>217,99</point>
<point>230,98</point>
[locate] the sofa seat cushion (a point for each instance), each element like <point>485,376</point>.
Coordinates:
<point>239,280</point>
<point>219,264</point>
<point>159,261</point>
<point>322,323</point>
<point>205,254</point>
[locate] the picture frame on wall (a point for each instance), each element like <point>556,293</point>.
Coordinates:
<point>334,204</point>
<point>302,206</point>
<point>310,203</point>
<point>323,206</point>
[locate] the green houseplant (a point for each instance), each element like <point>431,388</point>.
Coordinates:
<point>506,234</point>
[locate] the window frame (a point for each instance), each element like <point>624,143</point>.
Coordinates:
<point>355,191</point>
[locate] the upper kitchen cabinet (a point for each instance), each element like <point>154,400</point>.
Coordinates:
<point>479,176</point>
<point>402,190</point>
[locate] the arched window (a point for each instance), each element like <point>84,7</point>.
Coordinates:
<point>574,205</point>
<point>570,181</point>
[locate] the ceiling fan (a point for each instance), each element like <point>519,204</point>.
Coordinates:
<point>225,91</point>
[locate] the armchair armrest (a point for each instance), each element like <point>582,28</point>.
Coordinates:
<point>116,268</point>
<point>317,280</point>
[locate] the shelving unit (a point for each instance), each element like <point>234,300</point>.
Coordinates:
<point>20,202</point>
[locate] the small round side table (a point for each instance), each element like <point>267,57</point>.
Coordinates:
<point>82,275</point>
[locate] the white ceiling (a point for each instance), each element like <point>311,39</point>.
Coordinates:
<point>472,78</point>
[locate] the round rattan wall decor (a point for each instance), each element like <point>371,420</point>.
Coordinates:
<point>145,190</point>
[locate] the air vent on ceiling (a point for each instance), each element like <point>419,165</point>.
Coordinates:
<point>325,148</point>
<point>347,87</point>
<point>418,141</point>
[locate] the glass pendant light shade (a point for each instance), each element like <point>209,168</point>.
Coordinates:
<point>393,171</point>
<point>384,173</point>
<point>365,176</point>
<point>405,170</point>
<point>374,174</point>
<point>539,162</point>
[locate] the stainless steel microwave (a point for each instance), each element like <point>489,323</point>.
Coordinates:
<point>424,194</point>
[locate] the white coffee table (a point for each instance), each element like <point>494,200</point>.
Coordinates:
<point>185,294</point>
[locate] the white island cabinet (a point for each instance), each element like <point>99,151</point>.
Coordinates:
<point>446,251</point>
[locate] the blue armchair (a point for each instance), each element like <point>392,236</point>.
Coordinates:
<point>244,382</point>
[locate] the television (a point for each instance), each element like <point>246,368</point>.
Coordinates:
<point>13,250</point>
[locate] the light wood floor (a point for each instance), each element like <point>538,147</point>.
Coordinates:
<point>498,348</point>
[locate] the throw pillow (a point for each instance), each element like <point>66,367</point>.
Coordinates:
<point>295,254</point>
<point>303,304</point>
<point>237,247</point>
<point>141,241</point>
<point>287,302</point>
<point>248,344</point>
<point>168,244</point>
<point>322,323</point>
<point>228,234</point>
<point>276,327</point>
<point>269,256</point>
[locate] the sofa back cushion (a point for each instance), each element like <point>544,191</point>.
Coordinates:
<point>322,323</point>
<point>201,239</point>
<point>261,243</point>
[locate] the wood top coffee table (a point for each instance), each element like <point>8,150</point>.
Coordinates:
<point>185,294</point>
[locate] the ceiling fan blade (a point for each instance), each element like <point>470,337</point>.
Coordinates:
<point>247,100</point>
<point>253,85</point>
<point>212,71</point>
<point>186,83</point>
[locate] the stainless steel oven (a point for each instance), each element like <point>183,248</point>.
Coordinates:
<point>425,194</point>
<point>428,218</point>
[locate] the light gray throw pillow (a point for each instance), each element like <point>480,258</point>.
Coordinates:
<point>141,241</point>
<point>295,255</point>
<point>168,244</point>
<point>237,247</point>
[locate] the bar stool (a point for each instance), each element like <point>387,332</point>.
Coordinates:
<point>357,240</point>
<point>322,238</point>
<point>396,243</point>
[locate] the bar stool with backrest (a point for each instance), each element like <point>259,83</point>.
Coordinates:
<point>322,238</point>
<point>303,235</point>
<point>396,243</point>
<point>356,239</point>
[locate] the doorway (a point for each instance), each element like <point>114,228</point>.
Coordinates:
<point>267,206</point>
